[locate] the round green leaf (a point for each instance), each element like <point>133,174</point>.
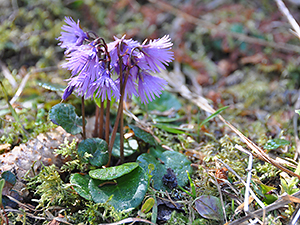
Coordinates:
<point>126,194</point>
<point>179,164</point>
<point>209,207</point>
<point>112,173</point>
<point>94,151</point>
<point>157,173</point>
<point>80,184</point>
<point>174,160</point>
<point>64,115</point>
<point>130,147</point>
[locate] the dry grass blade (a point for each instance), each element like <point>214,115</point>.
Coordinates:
<point>289,17</point>
<point>281,202</point>
<point>202,103</point>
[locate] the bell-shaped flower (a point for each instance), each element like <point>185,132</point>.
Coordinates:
<point>104,87</point>
<point>156,54</point>
<point>72,35</point>
<point>150,86</point>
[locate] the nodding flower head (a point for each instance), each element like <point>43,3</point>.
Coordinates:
<point>150,86</point>
<point>156,54</point>
<point>72,35</point>
<point>97,68</point>
<point>104,87</point>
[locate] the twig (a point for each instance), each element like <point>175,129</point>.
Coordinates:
<point>202,103</point>
<point>281,202</point>
<point>244,183</point>
<point>289,17</point>
<point>25,79</point>
<point>295,217</point>
<point>221,198</point>
<point>247,191</point>
<point>7,74</point>
<point>191,19</point>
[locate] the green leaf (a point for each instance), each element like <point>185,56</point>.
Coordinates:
<point>209,207</point>
<point>213,115</point>
<point>148,205</point>
<point>157,173</point>
<point>81,185</point>
<point>165,102</point>
<point>297,111</point>
<point>64,115</point>
<point>112,173</point>
<point>52,87</point>
<point>269,199</point>
<point>2,182</point>
<point>265,188</point>
<point>180,164</point>
<point>165,119</point>
<point>127,193</point>
<point>95,147</point>
<point>171,129</point>
<point>130,147</point>
<point>276,143</point>
<point>174,160</point>
<point>143,135</point>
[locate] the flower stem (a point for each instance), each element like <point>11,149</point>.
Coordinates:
<point>95,133</point>
<point>83,118</point>
<point>107,121</point>
<point>120,111</point>
<point>122,135</point>
<point>101,120</point>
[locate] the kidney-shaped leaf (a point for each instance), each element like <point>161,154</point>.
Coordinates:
<point>112,173</point>
<point>95,147</point>
<point>179,164</point>
<point>127,192</point>
<point>81,185</point>
<point>174,160</point>
<point>157,173</point>
<point>64,115</point>
<point>209,207</point>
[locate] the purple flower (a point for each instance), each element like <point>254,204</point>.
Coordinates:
<point>105,87</point>
<point>150,86</point>
<point>130,88</point>
<point>84,65</point>
<point>157,54</point>
<point>125,47</point>
<point>83,58</point>
<point>68,91</point>
<point>74,35</point>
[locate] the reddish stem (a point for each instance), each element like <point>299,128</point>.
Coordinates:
<point>107,121</point>
<point>83,118</point>
<point>101,120</point>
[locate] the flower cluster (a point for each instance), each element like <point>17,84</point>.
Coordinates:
<point>101,70</point>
